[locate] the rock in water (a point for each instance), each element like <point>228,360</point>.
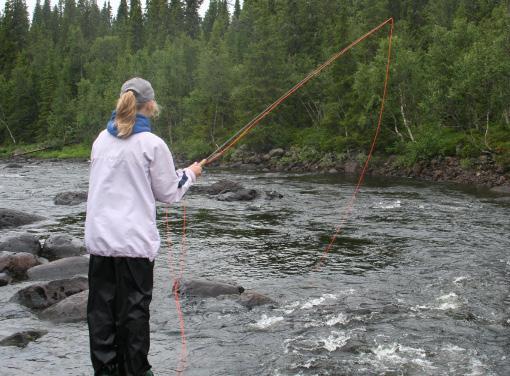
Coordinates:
<point>63,268</point>
<point>22,339</point>
<point>70,198</point>
<point>13,165</point>
<point>62,245</point>
<point>14,218</point>
<point>5,279</point>
<point>17,264</point>
<point>271,195</point>
<point>43,295</point>
<point>502,190</point>
<point>227,190</point>
<point>71,309</point>
<point>241,195</point>
<point>221,186</point>
<point>21,243</point>
<point>251,299</point>
<point>207,289</point>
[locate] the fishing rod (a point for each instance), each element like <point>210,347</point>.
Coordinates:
<point>249,126</point>
<point>241,133</point>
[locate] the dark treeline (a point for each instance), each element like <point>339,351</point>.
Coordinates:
<point>449,94</point>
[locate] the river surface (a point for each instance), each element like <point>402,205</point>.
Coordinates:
<point>416,284</point>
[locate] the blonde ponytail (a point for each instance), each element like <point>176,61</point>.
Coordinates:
<point>126,114</point>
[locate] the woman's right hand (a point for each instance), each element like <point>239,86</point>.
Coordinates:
<point>197,168</point>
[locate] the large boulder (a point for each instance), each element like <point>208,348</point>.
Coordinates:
<point>21,339</point>
<point>205,288</point>
<point>62,245</point>
<point>17,264</point>
<point>70,198</point>
<point>63,268</point>
<point>71,309</point>
<point>43,295</point>
<point>21,243</point>
<point>14,218</point>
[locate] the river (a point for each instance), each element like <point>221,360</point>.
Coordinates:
<point>416,284</point>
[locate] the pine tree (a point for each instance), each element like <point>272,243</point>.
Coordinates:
<point>175,23</point>
<point>13,33</point>
<point>135,25</point>
<point>155,23</point>
<point>191,17</point>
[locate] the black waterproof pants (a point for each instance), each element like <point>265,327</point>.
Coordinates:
<point>120,291</point>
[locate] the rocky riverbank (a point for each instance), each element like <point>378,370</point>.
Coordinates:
<point>481,172</point>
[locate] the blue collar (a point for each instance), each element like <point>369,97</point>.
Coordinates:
<point>142,124</point>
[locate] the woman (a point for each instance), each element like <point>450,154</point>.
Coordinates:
<point>131,169</point>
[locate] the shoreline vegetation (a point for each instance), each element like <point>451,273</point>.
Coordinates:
<point>446,116</point>
<point>482,171</point>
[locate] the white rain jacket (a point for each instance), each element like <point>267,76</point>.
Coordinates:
<point>127,176</point>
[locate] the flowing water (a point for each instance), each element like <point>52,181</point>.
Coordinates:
<point>416,284</point>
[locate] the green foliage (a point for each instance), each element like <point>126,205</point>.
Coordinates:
<point>449,90</point>
<point>431,141</point>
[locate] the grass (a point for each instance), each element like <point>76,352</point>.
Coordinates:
<point>76,151</point>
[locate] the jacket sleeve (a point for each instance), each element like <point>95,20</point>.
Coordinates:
<point>168,185</point>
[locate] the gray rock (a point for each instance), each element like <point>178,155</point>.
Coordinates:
<point>206,289</point>
<point>62,245</point>
<point>276,153</point>
<point>502,200</point>
<point>251,299</point>
<point>14,218</point>
<point>70,198</point>
<point>43,295</point>
<point>221,186</point>
<point>270,195</point>
<point>5,260</point>
<point>351,167</point>
<point>502,190</point>
<point>71,309</point>
<point>21,243</point>
<point>17,264</point>
<point>22,339</point>
<point>13,165</point>
<point>5,279</point>
<point>240,195</point>
<point>63,268</point>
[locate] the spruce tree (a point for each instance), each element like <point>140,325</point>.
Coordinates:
<point>175,22</point>
<point>191,17</point>
<point>135,25</point>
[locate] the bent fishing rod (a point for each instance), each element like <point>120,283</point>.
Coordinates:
<point>241,133</point>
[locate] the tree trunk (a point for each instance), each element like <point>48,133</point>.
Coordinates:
<point>9,130</point>
<point>485,139</point>
<point>395,122</point>
<point>406,124</point>
<point>213,128</point>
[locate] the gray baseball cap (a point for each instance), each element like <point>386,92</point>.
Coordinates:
<point>142,88</point>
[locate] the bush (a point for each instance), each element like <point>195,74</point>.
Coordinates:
<point>431,142</point>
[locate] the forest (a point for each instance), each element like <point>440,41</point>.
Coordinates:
<point>449,90</point>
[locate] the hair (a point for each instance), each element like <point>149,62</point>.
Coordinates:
<point>126,114</point>
<point>126,110</point>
